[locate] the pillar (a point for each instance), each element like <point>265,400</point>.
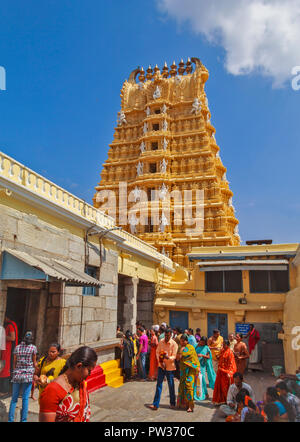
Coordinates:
<point>41,318</point>
<point>130,306</point>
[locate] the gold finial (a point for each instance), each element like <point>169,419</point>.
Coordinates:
<point>189,67</point>
<point>149,73</point>
<point>181,67</point>
<point>156,69</point>
<point>142,74</point>
<point>173,70</point>
<point>165,70</point>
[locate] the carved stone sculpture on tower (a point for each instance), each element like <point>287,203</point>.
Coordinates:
<point>139,168</point>
<point>121,118</point>
<point>163,166</point>
<point>165,125</point>
<point>165,144</point>
<point>133,222</point>
<point>145,128</point>
<point>142,147</point>
<point>137,193</point>
<point>163,191</point>
<point>148,112</point>
<point>157,93</point>
<point>196,106</point>
<point>163,223</point>
<point>164,109</point>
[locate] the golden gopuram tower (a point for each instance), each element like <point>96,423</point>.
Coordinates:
<point>164,142</point>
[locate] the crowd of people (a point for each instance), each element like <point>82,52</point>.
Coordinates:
<point>199,362</point>
<point>61,382</point>
<point>155,354</point>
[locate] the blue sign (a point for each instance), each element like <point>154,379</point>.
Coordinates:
<point>242,328</point>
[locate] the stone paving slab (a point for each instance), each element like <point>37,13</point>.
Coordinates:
<point>129,403</point>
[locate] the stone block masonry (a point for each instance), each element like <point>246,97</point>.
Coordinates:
<point>69,317</point>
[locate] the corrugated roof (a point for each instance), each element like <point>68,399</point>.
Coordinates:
<point>56,269</point>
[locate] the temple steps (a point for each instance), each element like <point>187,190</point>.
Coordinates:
<point>113,373</point>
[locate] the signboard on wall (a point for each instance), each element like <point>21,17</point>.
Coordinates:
<point>241,327</point>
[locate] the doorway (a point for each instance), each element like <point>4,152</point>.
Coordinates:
<point>22,307</point>
<point>179,319</point>
<point>217,321</point>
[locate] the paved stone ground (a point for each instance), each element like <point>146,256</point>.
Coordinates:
<point>129,403</point>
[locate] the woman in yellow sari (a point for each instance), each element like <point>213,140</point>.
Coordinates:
<point>133,338</point>
<point>49,367</point>
<point>189,370</point>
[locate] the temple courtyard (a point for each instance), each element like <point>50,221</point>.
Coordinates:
<point>128,403</point>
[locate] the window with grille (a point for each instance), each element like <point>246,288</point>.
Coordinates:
<point>88,290</point>
<point>224,281</point>
<point>269,281</point>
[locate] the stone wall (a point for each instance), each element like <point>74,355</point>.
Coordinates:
<point>69,317</point>
<point>291,323</point>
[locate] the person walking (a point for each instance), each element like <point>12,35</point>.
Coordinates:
<point>215,344</point>
<point>226,369</point>
<point>189,370</point>
<point>127,355</point>
<point>232,341</point>
<point>166,353</point>
<point>191,338</point>
<point>142,353</point>
<point>206,367</point>
<point>48,367</point>
<point>241,354</point>
<point>66,399</point>
<point>153,359</point>
<point>24,364</point>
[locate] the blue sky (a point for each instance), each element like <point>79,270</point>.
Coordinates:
<point>65,63</point>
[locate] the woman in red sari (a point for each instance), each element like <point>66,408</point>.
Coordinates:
<point>66,398</point>
<point>153,359</point>
<point>11,332</point>
<point>226,370</point>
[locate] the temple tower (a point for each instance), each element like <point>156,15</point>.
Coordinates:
<point>164,146</point>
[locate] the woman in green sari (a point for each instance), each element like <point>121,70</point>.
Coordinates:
<point>206,366</point>
<point>189,369</point>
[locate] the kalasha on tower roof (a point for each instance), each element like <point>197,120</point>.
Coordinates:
<point>164,149</point>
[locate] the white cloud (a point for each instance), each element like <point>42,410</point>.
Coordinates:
<point>257,35</point>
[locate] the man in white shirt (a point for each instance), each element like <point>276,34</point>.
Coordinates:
<point>230,408</point>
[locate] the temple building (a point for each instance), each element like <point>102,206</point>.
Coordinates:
<point>164,179</point>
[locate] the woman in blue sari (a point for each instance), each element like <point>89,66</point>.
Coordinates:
<point>206,366</point>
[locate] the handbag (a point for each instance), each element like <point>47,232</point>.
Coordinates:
<point>199,385</point>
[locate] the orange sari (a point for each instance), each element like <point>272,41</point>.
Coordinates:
<point>153,359</point>
<point>227,366</point>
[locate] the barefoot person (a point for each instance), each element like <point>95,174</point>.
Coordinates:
<point>153,369</point>
<point>215,344</point>
<point>189,369</point>
<point>241,354</point>
<point>254,337</point>
<point>166,353</point>
<point>49,367</point>
<point>206,367</point>
<point>226,369</point>
<point>66,398</point>
<point>24,363</point>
